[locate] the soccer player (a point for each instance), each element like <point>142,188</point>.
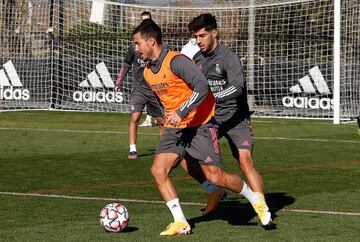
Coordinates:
<point>141,94</point>
<point>189,127</point>
<point>224,73</point>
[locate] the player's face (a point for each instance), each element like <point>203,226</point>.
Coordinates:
<point>207,40</point>
<point>142,47</point>
<point>144,17</point>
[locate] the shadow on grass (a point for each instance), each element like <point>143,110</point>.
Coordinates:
<point>237,213</point>
<point>130,229</point>
<point>150,152</point>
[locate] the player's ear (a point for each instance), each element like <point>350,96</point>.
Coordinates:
<point>152,41</point>
<point>215,33</point>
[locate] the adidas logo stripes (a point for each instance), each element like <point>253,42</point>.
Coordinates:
<point>94,78</point>
<point>13,79</point>
<point>9,79</point>
<point>99,78</point>
<point>306,86</point>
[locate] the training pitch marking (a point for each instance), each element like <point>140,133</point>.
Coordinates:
<point>161,202</point>
<point>156,134</point>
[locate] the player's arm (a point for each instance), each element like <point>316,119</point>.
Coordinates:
<point>125,68</point>
<point>184,68</point>
<point>235,76</point>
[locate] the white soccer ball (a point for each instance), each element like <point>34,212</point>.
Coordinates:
<point>114,217</point>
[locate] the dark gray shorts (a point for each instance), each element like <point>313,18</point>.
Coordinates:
<point>238,133</point>
<point>139,99</point>
<point>199,143</point>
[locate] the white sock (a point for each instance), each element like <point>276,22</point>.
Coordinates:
<point>148,118</point>
<point>133,147</point>
<point>251,196</point>
<point>209,187</point>
<point>176,210</point>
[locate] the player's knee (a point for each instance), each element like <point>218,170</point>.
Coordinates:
<point>158,171</point>
<point>245,161</point>
<point>214,177</point>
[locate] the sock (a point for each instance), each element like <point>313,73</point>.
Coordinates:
<point>176,210</point>
<point>148,118</point>
<point>132,147</point>
<point>209,187</point>
<point>251,196</point>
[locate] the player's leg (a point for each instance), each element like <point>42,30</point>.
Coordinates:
<point>215,193</point>
<point>137,104</point>
<point>205,149</point>
<point>234,183</point>
<point>160,169</point>
<point>133,125</point>
<point>241,142</point>
<point>166,157</point>
<point>247,167</point>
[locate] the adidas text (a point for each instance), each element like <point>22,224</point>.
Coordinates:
<point>14,94</point>
<point>101,97</point>
<point>306,102</point>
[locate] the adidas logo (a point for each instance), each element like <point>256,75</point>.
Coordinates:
<point>93,81</point>
<point>306,86</point>
<point>208,159</point>
<point>245,143</point>
<point>10,79</point>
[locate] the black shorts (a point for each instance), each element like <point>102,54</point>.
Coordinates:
<point>139,99</point>
<point>199,143</point>
<point>239,133</point>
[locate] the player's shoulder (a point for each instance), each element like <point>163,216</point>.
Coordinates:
<point>226,51</point>
<point>228,55</point>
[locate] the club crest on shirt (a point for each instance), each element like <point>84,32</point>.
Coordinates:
<point>141,62</point>
<point>217,68</point>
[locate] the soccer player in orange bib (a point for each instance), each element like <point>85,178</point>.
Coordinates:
<point>189,129</point>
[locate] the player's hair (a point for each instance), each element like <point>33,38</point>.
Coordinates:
<point>147,29</point>
<point>205,20</point>
<point>146,13</point>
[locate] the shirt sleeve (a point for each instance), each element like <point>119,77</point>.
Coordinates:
<point>190,49</point>
<point>184,68</point>
<point>127,64</point>
<point>235,76</point>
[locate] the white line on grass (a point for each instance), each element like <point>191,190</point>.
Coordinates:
<point>73,131</point>
<point>156,134</point>
<point>94,198</point>
<point>314,140</point>
<point>161,202</point>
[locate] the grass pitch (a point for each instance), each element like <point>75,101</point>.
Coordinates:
<point>57,170</point>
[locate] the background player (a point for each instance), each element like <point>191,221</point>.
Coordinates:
<point>141,94</point>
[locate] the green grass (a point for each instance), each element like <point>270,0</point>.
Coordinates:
<point>306,165</point>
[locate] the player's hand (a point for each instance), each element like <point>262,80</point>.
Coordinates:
<point>172,119</point>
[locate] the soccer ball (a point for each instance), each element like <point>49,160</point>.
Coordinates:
<point>114,217</point>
